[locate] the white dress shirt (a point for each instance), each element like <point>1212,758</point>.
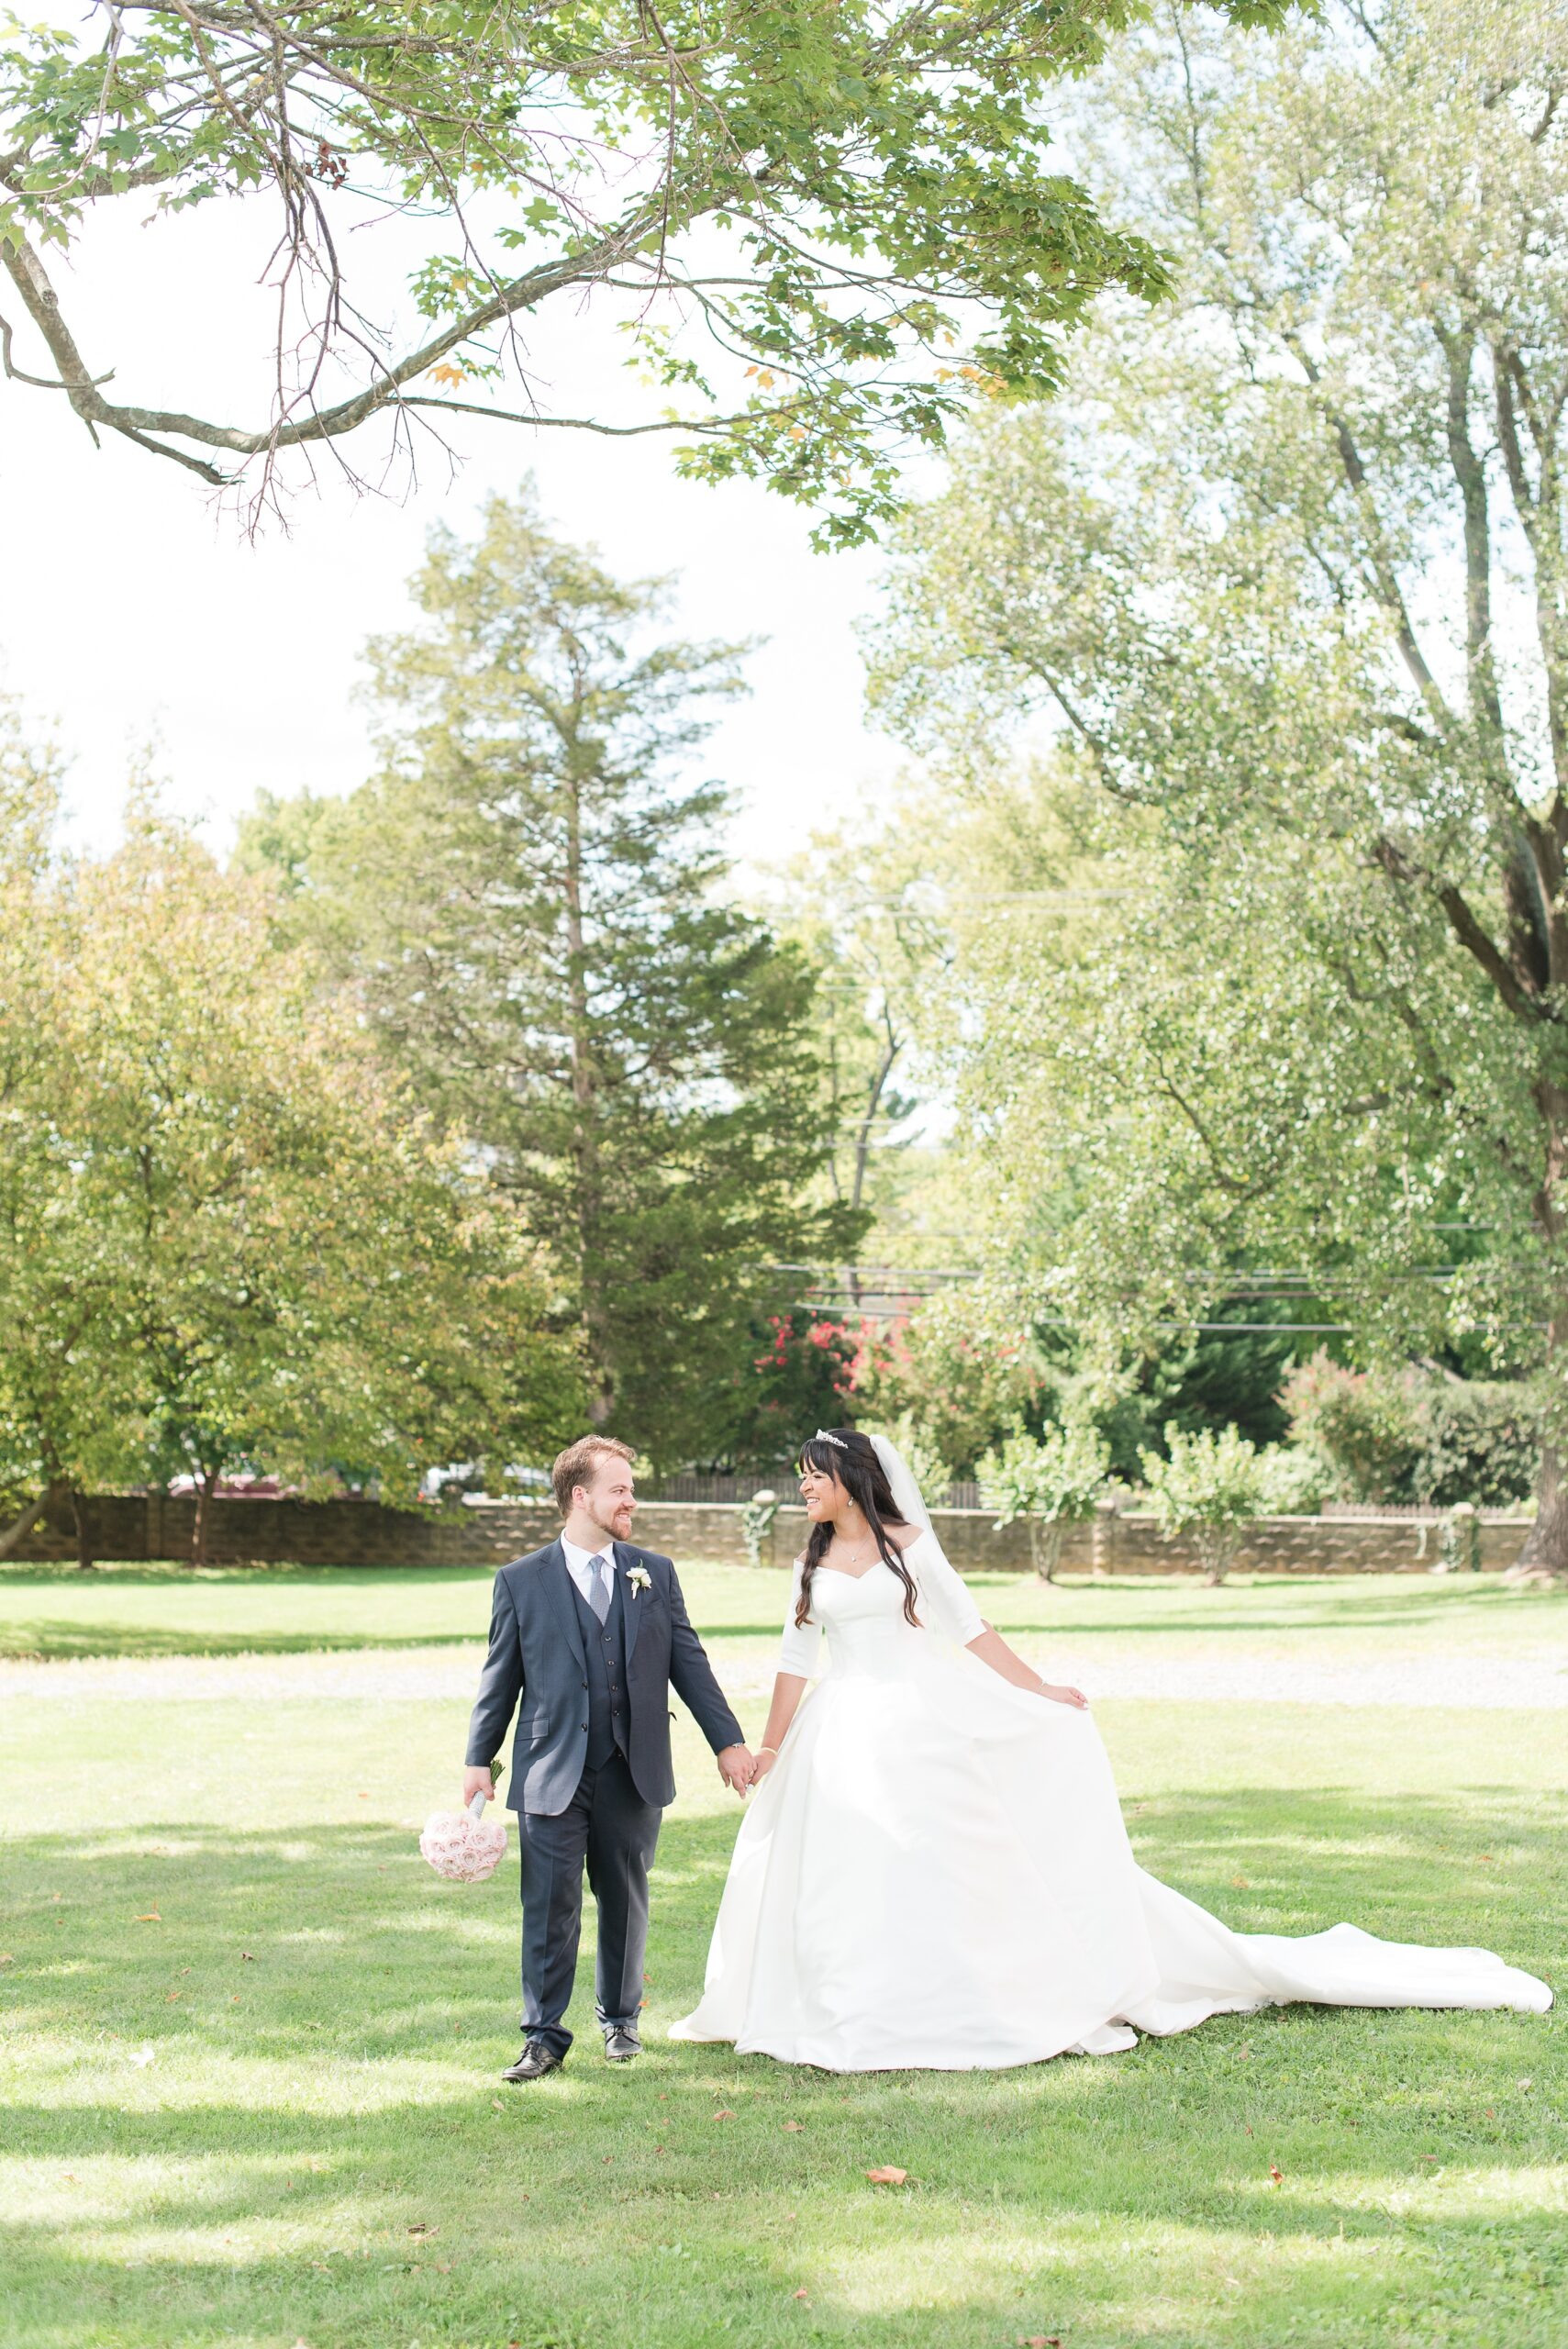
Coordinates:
<point>579,1563</point>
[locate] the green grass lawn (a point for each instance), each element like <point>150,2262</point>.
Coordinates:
<point>249,2043</point>
<point>53,1611</point>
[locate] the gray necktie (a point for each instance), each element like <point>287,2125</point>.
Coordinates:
<point>599,1587</point>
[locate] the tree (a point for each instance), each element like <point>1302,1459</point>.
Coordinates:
<point>1051,1481</point>
<point>247,1247</point>
<point>827,227</point>
<point>1210,1487</point>
<point>68,1296</point>
<point>1312,1015</point>
<point>861,905</point>
<point>526,898</point>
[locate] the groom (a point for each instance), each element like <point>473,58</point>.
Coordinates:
<point>591,1634</point>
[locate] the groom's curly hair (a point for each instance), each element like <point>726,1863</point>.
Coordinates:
<point>852,1458</point>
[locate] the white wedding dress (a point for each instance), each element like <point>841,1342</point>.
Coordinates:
<point>935,1874</point>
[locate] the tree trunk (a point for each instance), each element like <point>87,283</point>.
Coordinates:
<point>205,1488</point>
<point>53,1496</point>
<point>1217,1546</point>
<point>1544,1557</point>
<point>1045,1547</point>
<point>601,1387</point>
<point>84,1542</point>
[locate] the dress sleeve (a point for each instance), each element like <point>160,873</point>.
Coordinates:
<point>942,1595</point>
<point>802,1642</point>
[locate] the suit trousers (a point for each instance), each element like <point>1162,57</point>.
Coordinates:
<point>608,1825</point>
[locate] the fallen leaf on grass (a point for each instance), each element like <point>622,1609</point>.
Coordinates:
<point>1242,1883</point>
<point>1040,2341</point>
<point>889,2176</point>
<point>6,1958</point>
<point>725,2115</point>
<point>496,2105</point>
<point>795,2125</point>
<point>149,1917</point>
<point>803,2294</point>
<point>246,1957</point>
<point>144,2055</point>
<point>1277,2173</point>
<point>423,2227</point>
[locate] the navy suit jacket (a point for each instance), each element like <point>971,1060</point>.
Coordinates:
<point>536,1660</point>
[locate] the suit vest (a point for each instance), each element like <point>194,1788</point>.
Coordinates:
<point>604,1650</point>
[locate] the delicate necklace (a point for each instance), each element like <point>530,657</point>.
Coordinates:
<point>855,1554</point>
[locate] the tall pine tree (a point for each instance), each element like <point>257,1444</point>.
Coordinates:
<point>528,896</point>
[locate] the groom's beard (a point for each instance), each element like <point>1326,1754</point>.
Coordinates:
<point>616,1528</point>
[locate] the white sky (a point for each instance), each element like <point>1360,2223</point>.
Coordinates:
<point>134,613</point>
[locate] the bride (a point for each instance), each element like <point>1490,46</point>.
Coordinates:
<point>935,1872</point>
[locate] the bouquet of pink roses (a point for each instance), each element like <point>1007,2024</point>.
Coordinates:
<point>464,1845</point>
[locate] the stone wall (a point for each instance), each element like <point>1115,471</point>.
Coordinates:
<point>151,1526</point>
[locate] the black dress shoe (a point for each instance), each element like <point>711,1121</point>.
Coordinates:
<point>622,2044</point>
<point>534,2061</point>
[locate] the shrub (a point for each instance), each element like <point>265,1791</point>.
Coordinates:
<point>1051,1481</point>
<point>757,1518</point>
<point>956,1370</point>
<point>1365,1426</point>
<point>1392,1435</point>
<point>1482,1445</point>
<point>1211,1487</point>
<point>800,1378</point>
<point>1296,1481</point>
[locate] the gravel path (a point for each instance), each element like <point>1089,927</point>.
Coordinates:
<point>449,1675</point>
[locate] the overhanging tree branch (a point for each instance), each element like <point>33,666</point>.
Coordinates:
<point>888,198</point>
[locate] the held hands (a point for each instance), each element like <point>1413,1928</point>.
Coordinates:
<point>477,1780</point>
<point>737,1767</point>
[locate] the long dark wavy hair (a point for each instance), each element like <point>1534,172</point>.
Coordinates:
<point>852,1459</point>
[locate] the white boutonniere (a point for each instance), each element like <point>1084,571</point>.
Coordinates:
<point>640,1578</point>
